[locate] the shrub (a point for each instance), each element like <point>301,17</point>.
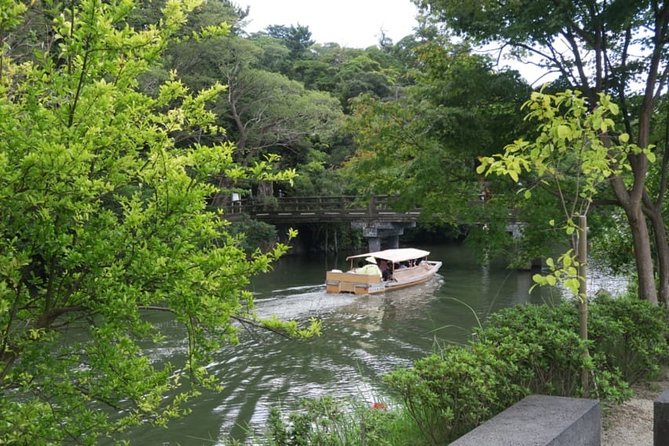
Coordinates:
<point>449,393</point>
<point>530,349</point>
<point>553,364</point>
<point>631,334</point>
<point>553,361</point>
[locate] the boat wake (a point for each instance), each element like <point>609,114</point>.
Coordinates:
<point>313,302</point>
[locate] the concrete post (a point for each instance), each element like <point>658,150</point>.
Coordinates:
<point>661,420</point>
<point>374,244</point>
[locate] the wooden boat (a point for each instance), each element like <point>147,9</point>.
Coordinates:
<point>403,268</point>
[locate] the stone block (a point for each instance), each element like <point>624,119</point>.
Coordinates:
<point>540,420</point>
<point>661,420</point>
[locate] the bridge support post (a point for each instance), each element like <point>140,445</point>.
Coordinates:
<point>374,244</point>
<point>382,235</point>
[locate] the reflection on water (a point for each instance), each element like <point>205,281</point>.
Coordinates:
<point>363,337</point>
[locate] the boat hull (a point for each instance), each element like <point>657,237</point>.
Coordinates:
<point>351,282</point>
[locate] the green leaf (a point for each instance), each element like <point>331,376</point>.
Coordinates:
<point>564,132</point>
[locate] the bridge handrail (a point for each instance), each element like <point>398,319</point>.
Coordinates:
<point>313,203</point>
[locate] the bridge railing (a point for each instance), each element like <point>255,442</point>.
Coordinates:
<point>311,204</point>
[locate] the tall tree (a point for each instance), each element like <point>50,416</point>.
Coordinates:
<point>296,38</point>
<point>572,155</point>
<point>104,222</point>
<point>265,113</point>
<point>596,46</point>
<point>424,145</point>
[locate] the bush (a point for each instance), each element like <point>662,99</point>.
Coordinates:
<point>449,393</point>
<point>549,335</point>
<point>554,360</point>
<point>631,334</point>
<point>532,349</point>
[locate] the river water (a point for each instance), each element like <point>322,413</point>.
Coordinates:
<point>363,337</point>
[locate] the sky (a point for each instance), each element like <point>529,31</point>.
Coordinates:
<point>350,23</point>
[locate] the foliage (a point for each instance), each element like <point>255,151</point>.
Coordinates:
<point>613,48</point>
<point>330,422</point>
<point>449,393</point>
<point>263,111</point>
<point>528,349</point>
<point>253,234</point>
<point>423,145</point>
<point>105,224</point>
<point>577,143</point>
<point>575,152</point>
<point>296,38</point>
<point>551,364</point>
<point>632,336</point>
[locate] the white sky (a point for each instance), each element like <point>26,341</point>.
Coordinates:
<point>350,23</point>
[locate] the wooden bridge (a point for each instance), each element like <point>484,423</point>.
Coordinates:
<point>321,209</point>
<point>374,216</point>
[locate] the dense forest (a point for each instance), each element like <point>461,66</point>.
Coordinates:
<point>125,126</point>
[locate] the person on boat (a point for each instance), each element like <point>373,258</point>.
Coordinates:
<point>371,268</point>
<point>386,272</point>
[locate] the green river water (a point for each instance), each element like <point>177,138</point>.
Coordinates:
<point>363,337</point>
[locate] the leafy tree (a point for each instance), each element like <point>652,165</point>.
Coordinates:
<point>104,223</point>
<point>574,154</point>
<point>424,145</point>
<point>363,74</point>
<point>296,38</point>
<point>264,112</point>
<point>596,47</point>
<point>274,56</point>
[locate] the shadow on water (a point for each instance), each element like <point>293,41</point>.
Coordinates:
<point>363,338</point>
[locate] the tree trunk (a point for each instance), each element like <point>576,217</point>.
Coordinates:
<point>640,239</point>
<point>662,248</point>
<point>642,254</point>
<point>582,255</point>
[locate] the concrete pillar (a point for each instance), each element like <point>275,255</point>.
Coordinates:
<point>661,420</point>
<point>374,244</point>
<point>393,242</point>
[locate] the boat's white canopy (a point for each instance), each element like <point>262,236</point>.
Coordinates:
<point>394,255</point>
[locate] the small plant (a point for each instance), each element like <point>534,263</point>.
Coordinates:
<point>332,422</point>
